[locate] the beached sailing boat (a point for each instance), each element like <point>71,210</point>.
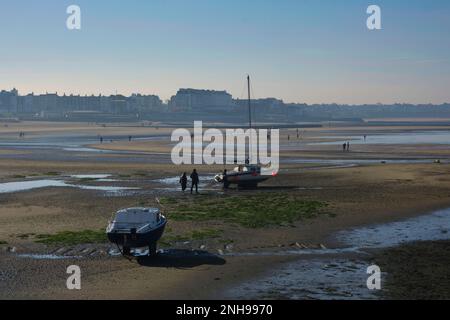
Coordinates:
<point>246,175</point>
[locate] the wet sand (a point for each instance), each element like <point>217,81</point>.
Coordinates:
<point>356,196</point>
<point>417,271</point>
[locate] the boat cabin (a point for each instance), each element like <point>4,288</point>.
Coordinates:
<point>136,218</point>
<point>254,169</point>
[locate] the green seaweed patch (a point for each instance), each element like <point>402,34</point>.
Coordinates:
<point>140,174</point>
<point>168,229</point>
<point>52,173</point>
<point>205,234</point>
<point>18,176</point>
<point>168,201</point>
<point>249,210</point>
<point>73,237</point>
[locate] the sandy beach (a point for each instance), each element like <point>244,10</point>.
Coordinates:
<point>355,194</point>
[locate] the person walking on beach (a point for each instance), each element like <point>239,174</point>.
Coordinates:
<point>344,147</point>
<point>195,180</point>
<point>183,182</point>
<point>348,146</point>
<point>226,184</point>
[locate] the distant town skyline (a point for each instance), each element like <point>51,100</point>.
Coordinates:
<point>187,94</point>
<point>300,51</point>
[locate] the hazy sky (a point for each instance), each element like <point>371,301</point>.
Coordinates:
<point>309,51</point>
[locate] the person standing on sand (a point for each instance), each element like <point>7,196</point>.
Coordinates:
<point>195,180</point>
<point>226,184</point>
<point>183,182</point>
<point>348,146</point>
<point>344,146</point>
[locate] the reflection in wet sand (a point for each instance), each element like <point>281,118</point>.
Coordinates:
<point>10,187</point>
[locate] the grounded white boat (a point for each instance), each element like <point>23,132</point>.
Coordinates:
<point>245,175</point>
<point>136,228</point>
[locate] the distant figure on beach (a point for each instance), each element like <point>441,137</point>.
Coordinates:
<point>365,137</point>
<point>129,138</point>
<point>348,146</point>
<point>101,139</point>
<point>195,180</point>
<point>344,147</point>
<point>183,181</point>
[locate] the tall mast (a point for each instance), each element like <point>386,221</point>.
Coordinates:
<point>249,106</point>
<point>250,147</point>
